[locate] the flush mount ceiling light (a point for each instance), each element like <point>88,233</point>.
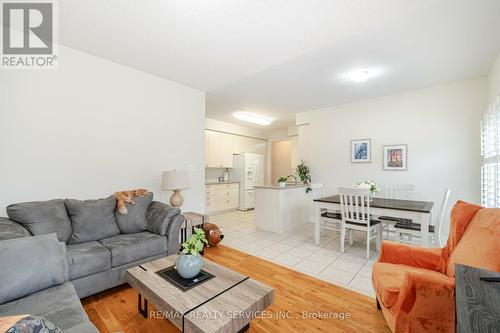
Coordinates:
<point>360,75</point>
<point>252,118</point>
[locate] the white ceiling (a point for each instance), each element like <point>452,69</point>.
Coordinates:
<point>279,57</point>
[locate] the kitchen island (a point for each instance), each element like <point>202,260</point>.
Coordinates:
<point>281,209</point>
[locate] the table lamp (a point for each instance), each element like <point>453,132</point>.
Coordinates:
<point>175,180</point>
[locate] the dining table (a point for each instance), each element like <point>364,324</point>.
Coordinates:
<point>417,211</point>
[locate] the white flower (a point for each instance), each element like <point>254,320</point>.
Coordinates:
<point>364,185</point>
<point>369,185</point>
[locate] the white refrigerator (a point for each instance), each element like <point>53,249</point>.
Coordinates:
<point>248,170</point>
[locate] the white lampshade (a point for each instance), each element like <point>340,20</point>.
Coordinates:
<point>175,180</point>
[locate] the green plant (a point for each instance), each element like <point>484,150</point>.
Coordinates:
<point>304,174</point>
<point>196,243</point>
<point>282,180</point>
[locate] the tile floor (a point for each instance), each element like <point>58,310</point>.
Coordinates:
<point>297,250</point>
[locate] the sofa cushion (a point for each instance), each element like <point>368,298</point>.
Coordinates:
<point>91,219</point>
<point>479,245</point>
<point>31,264</point>
<point>389,278</point>
<point>59,304</point>
<point>135,220</point>
<point>127,248</point>
<point>87,258</point>
<point>10,229</point>
<point>42,217</point>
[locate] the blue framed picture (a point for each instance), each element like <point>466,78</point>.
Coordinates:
<point>361,151</point>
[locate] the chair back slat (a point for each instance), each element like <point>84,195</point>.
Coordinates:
<point>355,205</point>
<point>317,190</point>
<point>440,217</point>
<point>404,192</point>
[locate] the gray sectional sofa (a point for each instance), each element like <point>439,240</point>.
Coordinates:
<point>34,280</point>
<point>99,246</point>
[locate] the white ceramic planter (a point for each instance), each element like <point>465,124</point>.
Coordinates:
<point>188,266</point>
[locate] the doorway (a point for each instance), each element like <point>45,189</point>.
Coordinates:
<point>281,160</point>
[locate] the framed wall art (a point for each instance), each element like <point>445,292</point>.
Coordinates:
<point>361,151</point>
<point>395,157</point>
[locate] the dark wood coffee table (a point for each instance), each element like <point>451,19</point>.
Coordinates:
<point>225,303</point>
<point>477,300</point>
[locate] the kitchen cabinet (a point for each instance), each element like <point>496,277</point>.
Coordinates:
<point>221,197</point>
<point>219,150</point>
<point>220,147</point>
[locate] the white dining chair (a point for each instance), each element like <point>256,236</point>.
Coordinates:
<point>328,219</point>
<point>398,191</point>
<point>355,212</point>
<point>403,229</point>
<point>401,192</point>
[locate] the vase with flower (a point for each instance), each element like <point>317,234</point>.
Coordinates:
<point>370,185</point>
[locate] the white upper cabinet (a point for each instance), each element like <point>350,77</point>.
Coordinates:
<point>219,150</point>
<point>220,147</point>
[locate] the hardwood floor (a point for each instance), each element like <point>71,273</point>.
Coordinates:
<point>115,310</point>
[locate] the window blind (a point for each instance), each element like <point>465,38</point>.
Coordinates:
<point>490,150</point>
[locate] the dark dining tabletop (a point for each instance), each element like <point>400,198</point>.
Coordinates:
<point>397,204</point>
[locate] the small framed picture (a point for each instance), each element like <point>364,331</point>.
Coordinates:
<point>361,151</point>
<point>395,157</point>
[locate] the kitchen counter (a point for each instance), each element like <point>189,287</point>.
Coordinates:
<point>276,187</point>
<point>215,182</point>
<point>281,209</point>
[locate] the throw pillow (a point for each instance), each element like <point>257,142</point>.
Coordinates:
<point>42,218</point>
<point>135,219</point>
<point>92,219</point>
<point>27,324</point>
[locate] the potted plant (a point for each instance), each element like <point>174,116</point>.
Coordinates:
<point>304,175</point>
<point>282,182</point>
<point>190,262</point>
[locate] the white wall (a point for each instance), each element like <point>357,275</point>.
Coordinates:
<point>278,135</point>
<point>92,127</point>
<point>222,126</point>
<point>440,125</point>
<point>494,80</point>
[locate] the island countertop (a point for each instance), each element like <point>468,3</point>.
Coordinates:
<point>276,187</point>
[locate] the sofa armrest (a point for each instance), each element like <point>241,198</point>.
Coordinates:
<point>174,243</point>
<point>10,229</point>
<point>398,253</point>
<point>159,216</point>
<point>429,296</point>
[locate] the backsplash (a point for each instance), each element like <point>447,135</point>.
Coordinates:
<point>213,174</point>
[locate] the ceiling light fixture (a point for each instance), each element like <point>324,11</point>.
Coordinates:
<point>360,76</point>
<point>252,118</point>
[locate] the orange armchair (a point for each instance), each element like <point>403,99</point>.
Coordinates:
<point>415,286</point>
